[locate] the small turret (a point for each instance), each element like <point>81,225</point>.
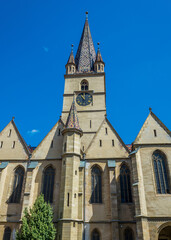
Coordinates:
<point>70,66</point>
<point>99,64</point>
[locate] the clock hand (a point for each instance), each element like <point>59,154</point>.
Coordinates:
<point>83,96</point>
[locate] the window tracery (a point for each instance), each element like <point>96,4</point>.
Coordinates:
<point>17,185</point>
<point>84,85</point>
<point>48,184</point>
<point>96,185</point>
<point>125,184</point>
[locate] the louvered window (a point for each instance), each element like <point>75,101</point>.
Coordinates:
<point>125,184</point>
<point>95,235</point>
<point>160,172</point>
<point>128,234</point>
<point>96,185</point>
<point>17,185</point>
<point>7,233</point>
<point>48,184</point>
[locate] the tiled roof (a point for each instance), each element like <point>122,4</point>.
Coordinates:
<point>86,54</point>
<point>72,120</point>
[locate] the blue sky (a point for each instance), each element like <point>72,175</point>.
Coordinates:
<point>135,39</point>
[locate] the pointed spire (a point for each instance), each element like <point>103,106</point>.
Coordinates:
<point>72,120</point>
<point>71,57</point>
<point>99,56</point>
<point>86,54</point>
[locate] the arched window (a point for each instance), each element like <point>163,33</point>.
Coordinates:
<point>84,85</point>
<point>128,234</point>
<point>160,172</point>
<point>125,184</point>
<point>7,233</point>
<point>17,185</point>
<point>96,185</point>
<point>48,184</point>
<point>95,235</point>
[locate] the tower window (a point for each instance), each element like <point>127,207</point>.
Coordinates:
<point>13,144</point>
<point>106,131</point>
<point>75,195</point>
<point>70,68</point>
<point>75,172</point>
<point>98,67</point>
<point>90,123</point>
<point>155,133</point>
<point>113,143</point>
<point>100,143</point>
<point>9,134</point>
<point>59,132</point>
<point>65,147</point>
<point>73,224</point>
<point>68,200</point>
<point>84,85</point>
<point>1,144</point>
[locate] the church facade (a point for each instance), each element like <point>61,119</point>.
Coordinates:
<point>99,188</point>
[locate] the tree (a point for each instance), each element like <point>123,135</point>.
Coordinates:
<point>37,223</point>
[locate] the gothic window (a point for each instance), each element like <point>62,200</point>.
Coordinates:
<point>95,235</point>
<point>84,85</point>
<point>48,184</point>
<point>7,233</point>
<point>160,172</point>
<point>96,185</point>
<point>17,185</point>
<point>125,184</point>
<point>128,234</point>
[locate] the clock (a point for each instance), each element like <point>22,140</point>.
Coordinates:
<point>84,99</point>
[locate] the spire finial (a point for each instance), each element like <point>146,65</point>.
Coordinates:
<point>86,15</point>
<point>150,109</point>
<point>13,118</point>
<point>72,47</point>
<point>98,44</point>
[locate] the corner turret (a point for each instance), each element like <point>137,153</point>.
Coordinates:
<point>70,66</point>
<point>99,64</point>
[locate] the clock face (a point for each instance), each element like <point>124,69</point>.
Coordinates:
<point>84,99</point>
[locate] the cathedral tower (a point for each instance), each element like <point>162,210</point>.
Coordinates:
<point>85,78</point>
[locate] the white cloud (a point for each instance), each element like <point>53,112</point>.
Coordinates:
<point>33,131</point>
<point>46,49</point>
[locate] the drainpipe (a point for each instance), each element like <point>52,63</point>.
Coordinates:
<point>84,186</point>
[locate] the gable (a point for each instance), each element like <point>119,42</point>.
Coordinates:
<point>12,145</point>
<point>111,144</point>
<point>51,145</point>
<point>153,131</point>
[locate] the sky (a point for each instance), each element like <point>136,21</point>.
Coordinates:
<point>35,43</point>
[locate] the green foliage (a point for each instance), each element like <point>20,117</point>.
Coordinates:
<point>38,222</point>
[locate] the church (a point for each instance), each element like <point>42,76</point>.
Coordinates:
<point>99,187</point>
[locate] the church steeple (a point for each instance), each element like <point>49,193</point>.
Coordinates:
<point>99,64</point>
<point>86,54</point>
<point>70,66</point>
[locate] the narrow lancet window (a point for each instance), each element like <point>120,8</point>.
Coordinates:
<point>48,184</point>
<point>96,185</point>
<point>7,233</point>
<point>160,172</point>
<point>125,184</point>
<point>17,185</point>
<point>95,235</point>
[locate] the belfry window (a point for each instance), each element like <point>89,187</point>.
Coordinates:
<point>160,172</point>
<point>95,235</point>
<point>84,85</point>
<point>125,184</point>
<point>48,184</point>
<point>128,234</point>
<point>96,185</point>
<point>7,233</point>
<point>17,185</point>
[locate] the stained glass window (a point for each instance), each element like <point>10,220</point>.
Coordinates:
<point>17,185</point>
<point>7,233</point>
<point>96,185</point>
<point>95,235</point>
<point>125,184</point>
<point>160,172</point>
<point>128,234</point>
<point>48,184</point>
